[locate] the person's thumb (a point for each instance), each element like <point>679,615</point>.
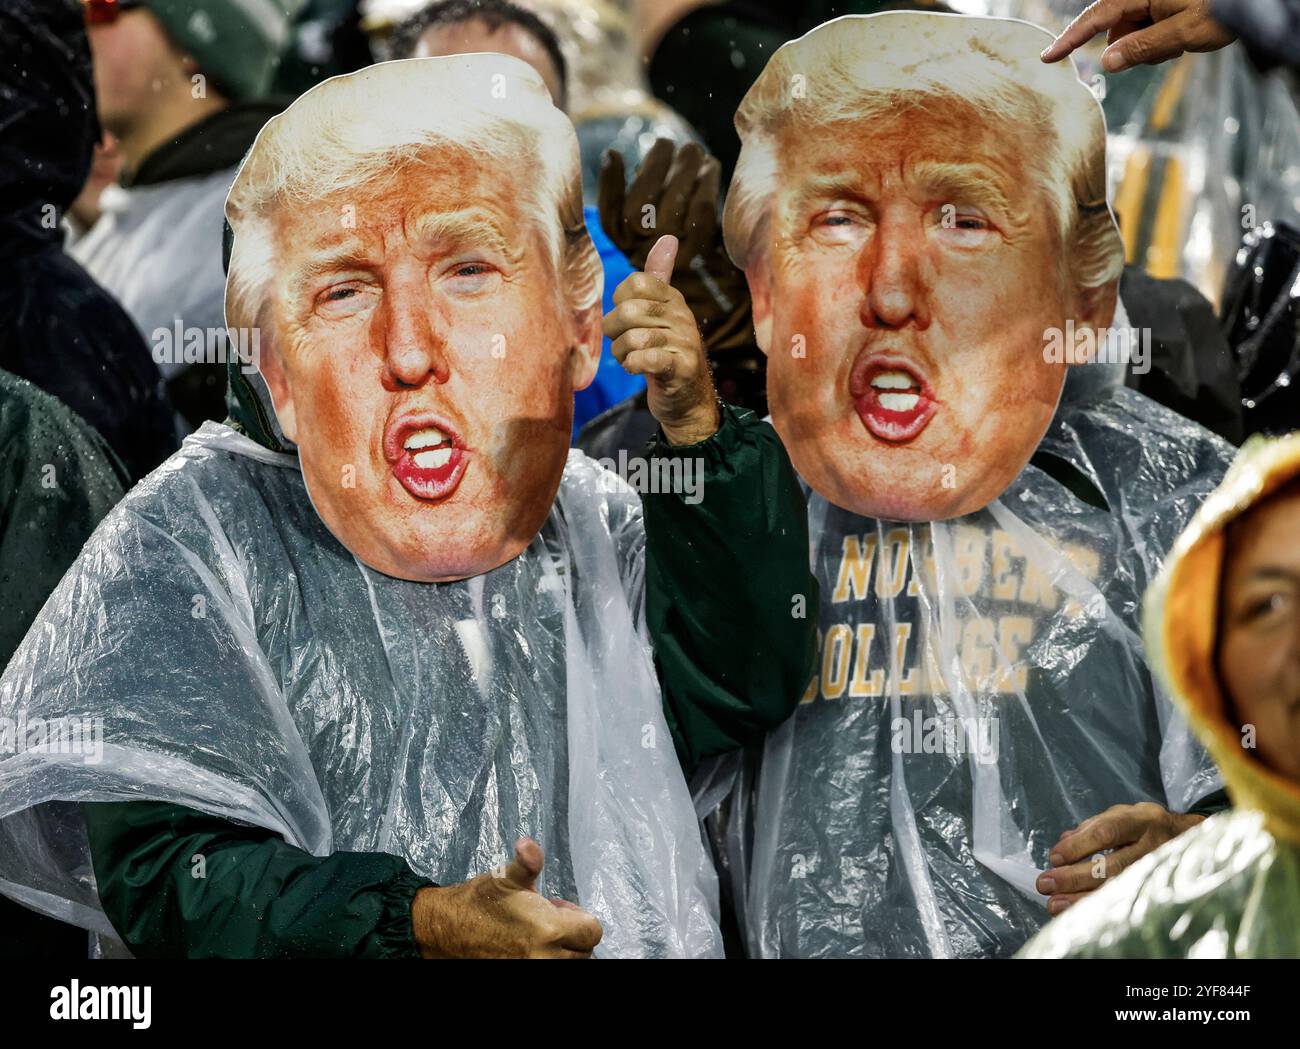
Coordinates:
<point>659,263</point>
<point>523,871</point>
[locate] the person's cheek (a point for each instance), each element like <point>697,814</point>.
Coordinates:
<point>331,410</point>
<point>1244,663</point>
<point>502,396</point>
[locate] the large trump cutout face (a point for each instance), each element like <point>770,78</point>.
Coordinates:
<point>920,209</point>
<point>409,240</point>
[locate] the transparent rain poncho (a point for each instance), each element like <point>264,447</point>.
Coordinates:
<point>230,655</point>
<point>982,688</point>
<point>1210,153</point>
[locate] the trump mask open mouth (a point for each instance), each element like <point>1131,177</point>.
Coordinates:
<point>409,241</point>
<point>920,209</point>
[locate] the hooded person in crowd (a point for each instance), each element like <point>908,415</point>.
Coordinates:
<point>180,87</point>
<point>58,328</point>
<point>405,625</point>
<point>1270,29</point>
<point>1223,630</point>
<point>682,61</point>
<point>325,39</point>
<point>920,209</point>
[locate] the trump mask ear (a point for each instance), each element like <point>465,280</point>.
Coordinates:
<point>585,346</point>
<point>271,367</point>
<point>760,294</point>
<point>1095,310</point>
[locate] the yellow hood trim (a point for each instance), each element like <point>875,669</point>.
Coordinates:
<point>1180,622</point>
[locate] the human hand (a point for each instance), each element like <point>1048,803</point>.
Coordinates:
<point>1131,831</point>
<point>501,915</point>
<point>675,192</point>
<point>1142,32</point>
<point>653,334</point>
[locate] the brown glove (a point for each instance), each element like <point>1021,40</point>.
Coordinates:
<point>676,191</point>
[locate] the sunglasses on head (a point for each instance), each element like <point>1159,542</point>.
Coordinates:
<point>106,12</point>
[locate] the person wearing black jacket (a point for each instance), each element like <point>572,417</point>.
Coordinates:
<point>58,328</point>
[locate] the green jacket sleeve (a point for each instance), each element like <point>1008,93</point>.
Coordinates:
<point>179,883</point>
<point>731,603</point>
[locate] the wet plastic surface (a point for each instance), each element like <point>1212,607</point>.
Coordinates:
<point>245,664</point>
<point>982,689</point>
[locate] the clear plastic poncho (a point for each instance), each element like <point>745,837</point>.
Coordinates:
<point>982,688</point>
<point>1211,152</point>
<point>235,658</point>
